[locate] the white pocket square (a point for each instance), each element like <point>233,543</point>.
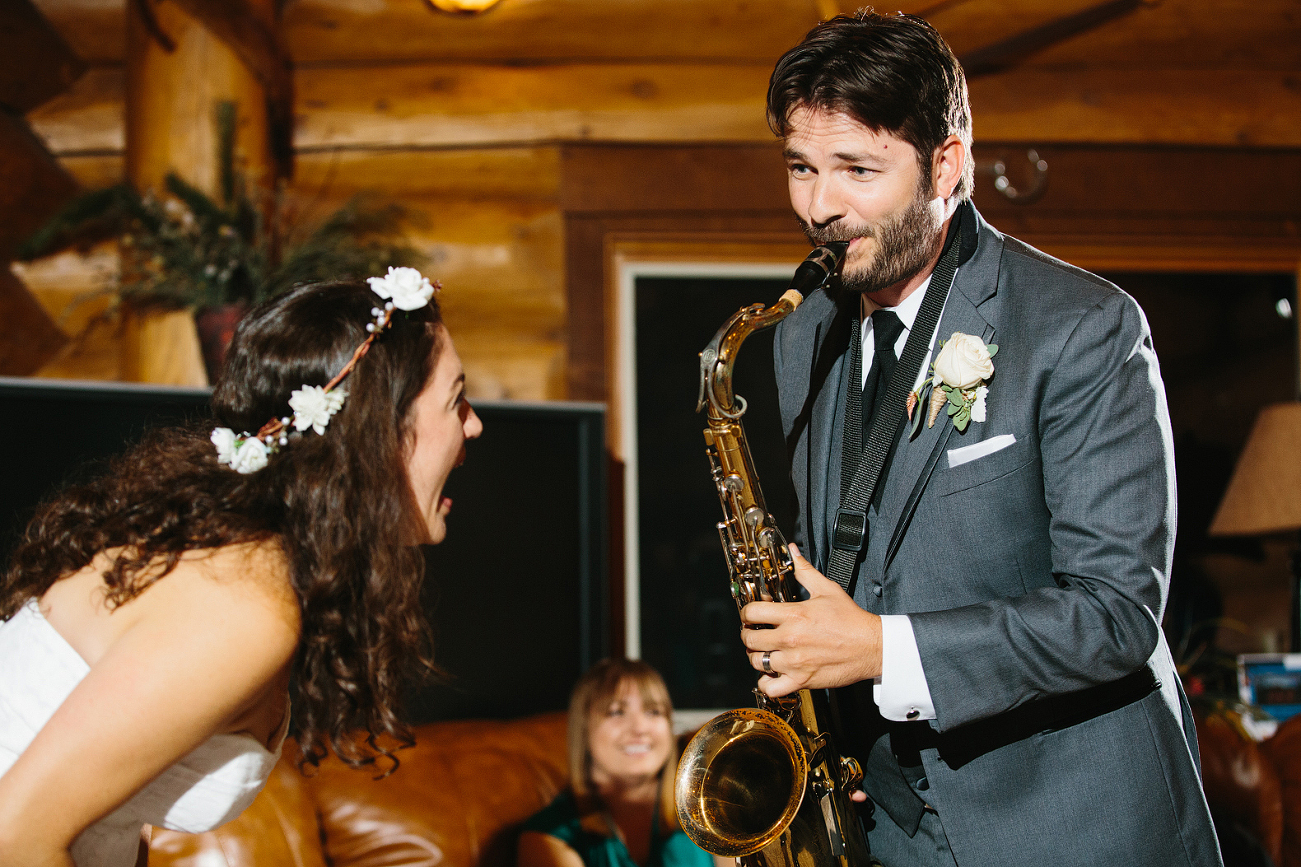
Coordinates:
<point>967,454</point>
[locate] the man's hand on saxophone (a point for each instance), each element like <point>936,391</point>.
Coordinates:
<point>822,642</point>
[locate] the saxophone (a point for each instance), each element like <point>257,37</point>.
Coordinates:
<point>764,785</point>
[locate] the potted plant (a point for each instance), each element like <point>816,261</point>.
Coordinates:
<point>216,257</point>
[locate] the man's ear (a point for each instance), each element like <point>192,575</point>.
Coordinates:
<point>947,168</point>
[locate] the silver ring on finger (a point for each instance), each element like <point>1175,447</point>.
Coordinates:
<point>766,660</point>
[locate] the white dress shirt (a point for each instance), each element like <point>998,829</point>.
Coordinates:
<point>901,691</point>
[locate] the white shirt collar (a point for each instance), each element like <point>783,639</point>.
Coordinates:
<point>906,310</point>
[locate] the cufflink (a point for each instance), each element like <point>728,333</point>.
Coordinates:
<point>914,713</point>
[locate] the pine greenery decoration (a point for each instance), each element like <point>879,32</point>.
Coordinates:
<point>189,250</point>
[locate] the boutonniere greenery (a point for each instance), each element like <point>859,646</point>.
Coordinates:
<point>959,382</point>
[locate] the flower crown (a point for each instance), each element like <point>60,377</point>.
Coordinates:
<point>314,405</point>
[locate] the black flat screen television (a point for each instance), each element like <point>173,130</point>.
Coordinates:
<point>518,593</point>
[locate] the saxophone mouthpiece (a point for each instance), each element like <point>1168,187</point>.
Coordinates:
<point>817,268</point>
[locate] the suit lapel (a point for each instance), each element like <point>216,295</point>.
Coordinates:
<point>974,285</point>
<point>827,375</point>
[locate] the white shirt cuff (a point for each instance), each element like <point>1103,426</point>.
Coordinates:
<point>901,691</point>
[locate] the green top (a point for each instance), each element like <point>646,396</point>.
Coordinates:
<point>560,819</point>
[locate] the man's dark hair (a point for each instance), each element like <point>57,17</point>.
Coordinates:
<point>891,73</point>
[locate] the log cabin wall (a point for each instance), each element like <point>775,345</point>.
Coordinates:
<point>463,119</point>
<point>497,127</point>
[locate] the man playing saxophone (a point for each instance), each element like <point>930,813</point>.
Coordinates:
<point>992,634</point>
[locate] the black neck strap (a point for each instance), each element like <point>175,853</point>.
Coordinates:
<point>864,462</point>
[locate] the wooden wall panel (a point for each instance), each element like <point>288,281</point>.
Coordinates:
<point>489,222</point>
<point>436,105</point>
<point>65,285</point>
<point>448,105</point>
<point>95,171</point>
<point>522,174</point>
<point>1178,107</point>
<point>88,118</point>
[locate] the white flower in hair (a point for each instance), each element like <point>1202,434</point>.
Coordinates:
<point>224,439</point>
<point>250,456</point>
<point>313,406</point>
<point>407,288</point>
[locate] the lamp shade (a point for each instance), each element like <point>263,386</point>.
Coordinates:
<point>1264,495</point>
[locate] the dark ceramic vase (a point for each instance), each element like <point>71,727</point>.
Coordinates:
<point>216,326</point>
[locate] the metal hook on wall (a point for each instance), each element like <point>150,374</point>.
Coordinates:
<point>1037,180</point>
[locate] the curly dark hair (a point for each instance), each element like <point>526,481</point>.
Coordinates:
<point>335,503</point>
<point>891,73</point>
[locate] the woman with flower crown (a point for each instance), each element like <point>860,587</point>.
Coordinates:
<point>160,622</point>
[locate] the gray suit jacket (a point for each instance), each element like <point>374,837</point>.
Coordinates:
<point>1035,576</point>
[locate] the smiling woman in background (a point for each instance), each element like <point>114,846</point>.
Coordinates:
<point>156,618</point>
<point>619,810</point>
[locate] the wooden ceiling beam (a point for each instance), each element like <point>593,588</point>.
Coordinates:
<point>1172,34</point>
<point>467,105</point>
<point>1016,49</point>
<point>33,186</point>
<point>28,336</point>
<point>38,64</point>
<point>555,30</point>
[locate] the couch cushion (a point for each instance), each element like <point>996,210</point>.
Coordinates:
<point>456,800</point>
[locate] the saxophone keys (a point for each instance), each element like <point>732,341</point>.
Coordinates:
<point>851,772</point>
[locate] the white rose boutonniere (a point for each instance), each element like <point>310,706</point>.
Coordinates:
<point>959,381</point>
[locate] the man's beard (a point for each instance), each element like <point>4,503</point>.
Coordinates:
<point>904,245</point>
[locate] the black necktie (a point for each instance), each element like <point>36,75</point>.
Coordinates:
<point>886,329</point>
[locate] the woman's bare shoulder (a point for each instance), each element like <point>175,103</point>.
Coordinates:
<point>251,579</point>
<point>250,582</point>
<point>260,568</point>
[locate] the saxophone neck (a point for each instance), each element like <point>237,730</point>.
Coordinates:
<point>717,358</point>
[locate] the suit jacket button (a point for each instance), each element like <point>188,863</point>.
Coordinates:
<point>923,784</point>
<point>876,588</point>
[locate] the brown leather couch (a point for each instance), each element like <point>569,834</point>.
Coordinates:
<point>1253,786</point>
<point>456,801</point>
<point>462,791</point>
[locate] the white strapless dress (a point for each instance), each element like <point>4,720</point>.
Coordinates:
<point>207,788</point>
